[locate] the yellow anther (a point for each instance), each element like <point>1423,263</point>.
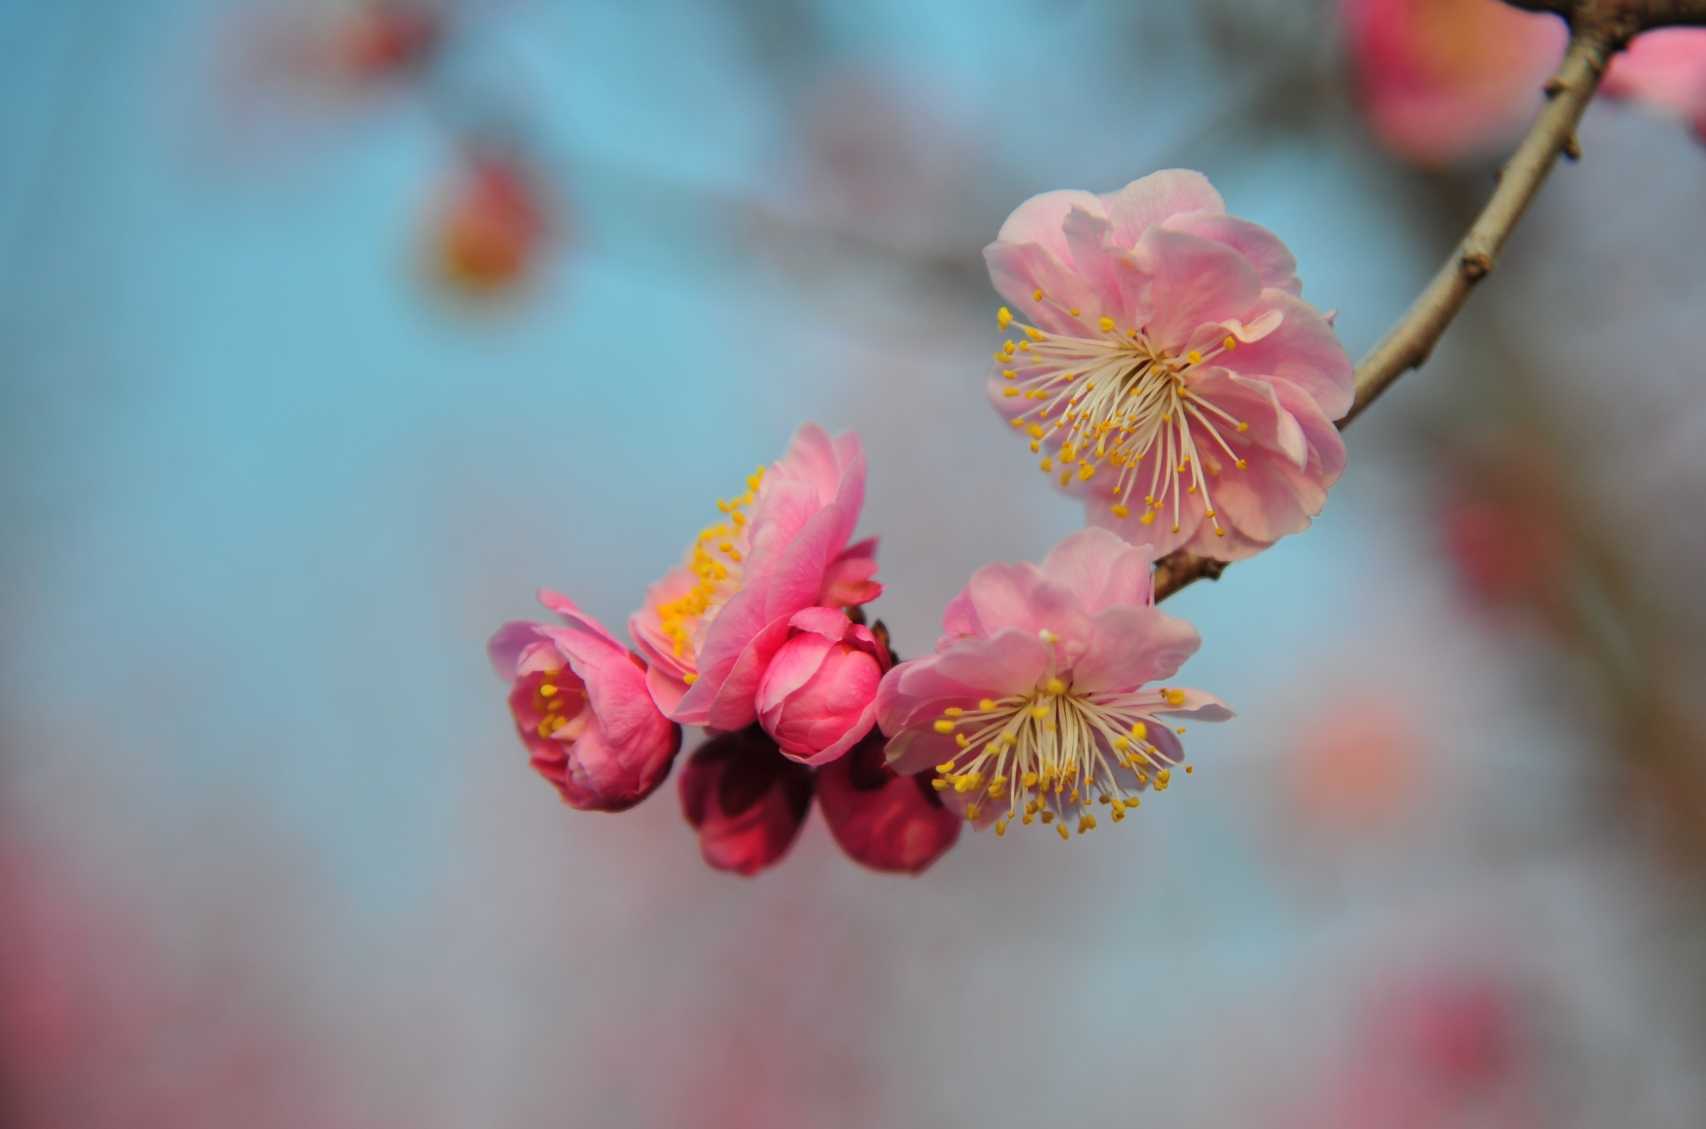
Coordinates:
<point>945,767</point>
<point>1036,431</point>
<point>1039,712</point>
<point>1055,686</point>
<point>1029,780</point>
<point>1117,815</point>
<point>1046,465</point>
<point>1174,698</point>
<point>1007,347</point>
<point>1003,317</point>
<point>1069,453</point>
<point>953,711</point>
<point>1190,769</point>
<point>972,812</point>
<point>1194,357</point>
<point>1048,637</point>
<point>1139,730</point>
<point>1101,797</point>
<point>1230,342</point>
<point>1025,346</point>
<point>1122,743</point>
<point>1047,816</point>
<point>1105,324</point>
<point>690,678</point>
<point>1026,820</point>
<point>962,740</point>
<point>1065,477</point>
<point>1148,518</point>
<point>1000,828</point>
<point>547,690</point>
<point>1086,472</point>
<point>1034,333</point>
<point>943,725</point>
<point>1035,446</point>
<point>1120,509</point>
<point>1242,426</point>
<point>939,784</point>
<point>1037,294</point>
<point>1009,374</point>
<point>1064,834</point>
<point>1010,392</point>
<point>1242,464</point>
<point>1073,312</point>
<point>986,703</point>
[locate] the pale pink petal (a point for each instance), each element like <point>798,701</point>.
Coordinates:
<point>1273,262</point>
<point>1041,220</point>
<point>1131,646</point>
<point>1198,705</point>
<point>1303,351</point>
<point>1148,200</point>
<point>1192,282</point>
<point>1020,270</point>
<point>1101,569</point>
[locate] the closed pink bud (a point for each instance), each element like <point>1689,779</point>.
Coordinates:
<point>818,695</point>
<point>882,819</point>
<point>746,801</point>
<point>582,709</point>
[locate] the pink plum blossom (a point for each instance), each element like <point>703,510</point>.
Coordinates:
<point>1036,702</point>
<point>884,820</point>
<point>818,695</point>
<point>711,626</point>
<point>1164,368</point>
<point>1446,80</point>
<point>581,707</point>
<point>1667,69</point>
<point>745,800</point>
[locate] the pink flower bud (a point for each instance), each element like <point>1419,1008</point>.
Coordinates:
<point>746,802</point>
<point>818,695</point>
<point>882,819</point>
<point>581,707</point>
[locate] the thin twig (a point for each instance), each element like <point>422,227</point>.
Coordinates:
<point>1407,345</point>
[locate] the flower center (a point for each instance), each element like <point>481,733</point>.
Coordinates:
<point>1046,753</point>
<point>1111,403</point>
<point>559,703</point>
<point>716,560</point>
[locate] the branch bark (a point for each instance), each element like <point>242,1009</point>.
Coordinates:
<point>1631,16</point>
<point>1407,345</point>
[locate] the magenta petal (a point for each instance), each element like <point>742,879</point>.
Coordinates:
<point>881,819</point>
<point>746,801</point>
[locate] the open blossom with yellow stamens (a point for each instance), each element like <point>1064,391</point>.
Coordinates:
<point>1037,705</point>
<point>1161,365</point>
<point>710,627</point>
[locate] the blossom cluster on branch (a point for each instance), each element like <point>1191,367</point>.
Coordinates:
<point>1166,372</point>
<point>1159,362</point>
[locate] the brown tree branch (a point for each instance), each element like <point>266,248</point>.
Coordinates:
<point>1627,16</point>
<point>1601,27</point>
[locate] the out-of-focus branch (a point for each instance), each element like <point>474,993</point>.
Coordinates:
<point>1626,16</point>
<point>1600,28</point>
